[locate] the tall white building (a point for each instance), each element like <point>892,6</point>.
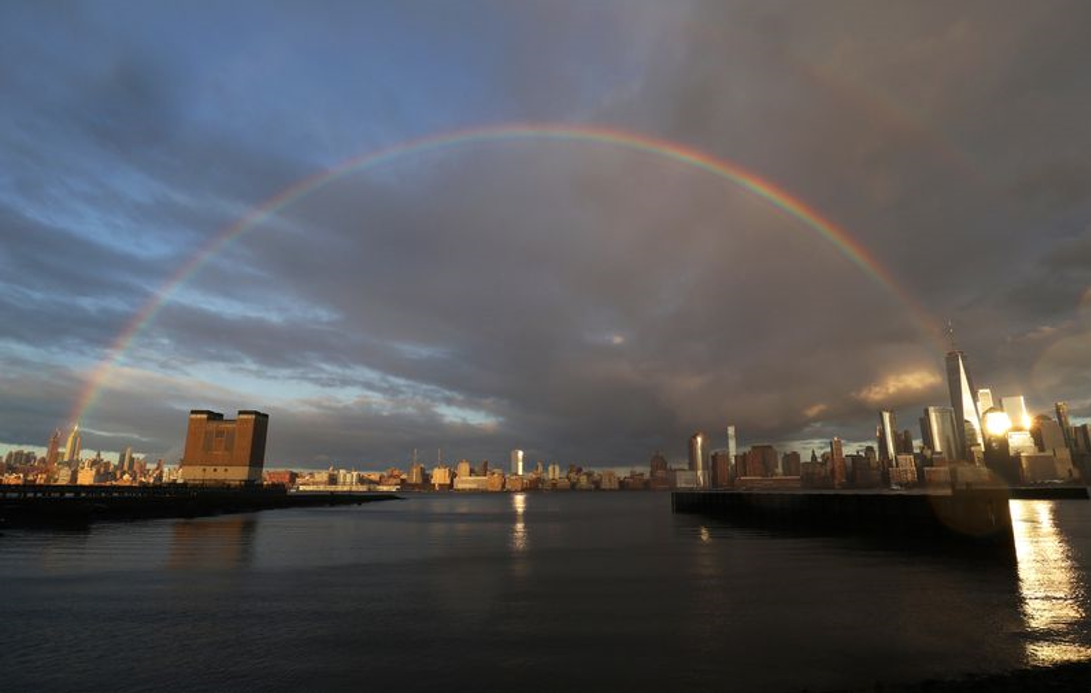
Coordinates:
<point>1016,409</point>
<point>940,433</point>
<point>517,462</point>
<point>964,404</point>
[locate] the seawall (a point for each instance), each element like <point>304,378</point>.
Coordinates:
<point>43,505</point>
<point>977,518</point>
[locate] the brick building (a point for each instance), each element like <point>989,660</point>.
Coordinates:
<point>220,450</point>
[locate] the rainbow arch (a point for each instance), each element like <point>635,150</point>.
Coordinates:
<point>664,149</point>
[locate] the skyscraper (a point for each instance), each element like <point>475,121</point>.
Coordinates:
<point>940,433</point>
<point>220,450</point>
<point>1016,409</point>
<point>698,458</point>
<point>517,462</point>
<point>984,400</point>
<point>125,460</point>
<point>732,451</point>
<point>73,447</point>
<point>837,462</point>
<point>1065,424</point>
<point>963,404</point>
<point>888,436</point>
<point>53,452</point>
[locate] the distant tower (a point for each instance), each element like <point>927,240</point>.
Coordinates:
<point>698,460</point>
<point>940,433</point>
<point>837,462</point>
<point>732,451</point>
<point>1062,420</point>
<point>74,446</point>
<point>984,400</point>
<point>888,436</point>
<point>963,403</point>
<point>517,462</point>
<point>1016,408</point>
<point>125,460</point>
<point>53,452</point>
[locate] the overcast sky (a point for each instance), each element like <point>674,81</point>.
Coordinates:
<point>581,301</point>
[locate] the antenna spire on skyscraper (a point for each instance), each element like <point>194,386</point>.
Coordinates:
<point>950,332</point>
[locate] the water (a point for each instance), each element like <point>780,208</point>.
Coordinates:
<point>524,592</point>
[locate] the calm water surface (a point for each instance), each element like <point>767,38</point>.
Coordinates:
<point>524,592</point>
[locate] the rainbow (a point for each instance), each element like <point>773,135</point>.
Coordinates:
<point>667,150</point>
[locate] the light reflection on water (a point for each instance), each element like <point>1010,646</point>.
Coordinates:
<point>519,528</point>
<point>1050,586</point>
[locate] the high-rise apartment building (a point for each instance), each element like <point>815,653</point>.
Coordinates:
<point>761,460</point>
<point>964,405</point>
<point>220,450</point>
<point>721,469</point>
<point>837,463</point>
<point>517,462</point>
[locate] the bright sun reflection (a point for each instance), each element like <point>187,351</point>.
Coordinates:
<point>519,529</point>
<point>1049,586</point>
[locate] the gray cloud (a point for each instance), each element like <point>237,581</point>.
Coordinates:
<point>588,303</point>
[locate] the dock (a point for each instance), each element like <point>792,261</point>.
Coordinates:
<point>977,518</point>
<point>29,505</point>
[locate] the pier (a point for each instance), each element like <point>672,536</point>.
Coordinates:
<point>43,505</point>
<point>977,518</point>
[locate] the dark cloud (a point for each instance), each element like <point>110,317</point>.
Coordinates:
<point>575,299</point>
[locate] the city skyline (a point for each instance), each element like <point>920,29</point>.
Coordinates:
<point>751,227</point>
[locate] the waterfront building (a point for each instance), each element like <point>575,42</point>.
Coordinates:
<point>464,469</point>
<point>888,437</point>
<point>1064,423</point>
<point>837,463</point>
<point>73,447</point>
<point>517,462</point>
<point>698,458</point>
<point>471,483</point>
<point>1048,435</point>
<point>1016,408</point>
<point>442,476</point>
<point>658,463</point>
<point>609,481</point>
<point>940,434</point>
<point>761,460</point>
<point>685,479</point>
<point>220,450</point>
<point>791,464</point>
<point>964,405</point>
<point>732,449</point>
<point>417,475</point>
<point>721,469</point>
<point>984,400</point>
